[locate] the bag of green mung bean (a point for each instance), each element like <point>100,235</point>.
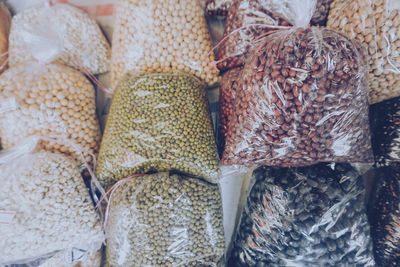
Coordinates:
<point>165,219</point>
<point>158,122</point>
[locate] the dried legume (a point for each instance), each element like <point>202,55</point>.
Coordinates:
<point>385,127</point>
<point>321,12</point>
<point>385,216</point>
<point>376,24</point>
<point>312,216</point>
<point>53,208</point>
<point>72,28</point>
<point>161,36</point>
<point>48,100</point>
<point>158,122</point>
<point>303,101</point>
<point>165,220</point>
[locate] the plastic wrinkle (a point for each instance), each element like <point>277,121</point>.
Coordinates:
<point>44,33</point>
<point>302,100</point>
<point>218,7</point>
<point>311,216</point>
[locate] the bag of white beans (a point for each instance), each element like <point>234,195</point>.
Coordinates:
<point>161,36</point>
<point>45,208</point>
<point>53,99</point>
<point>59,32</point>
<point>376,24</point>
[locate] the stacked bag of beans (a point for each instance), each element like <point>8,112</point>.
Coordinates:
<point>158,157</point>
<point>300,99</point>
<point>49,128</point>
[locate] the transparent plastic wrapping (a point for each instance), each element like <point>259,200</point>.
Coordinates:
<point>165,220</point>
<point>158,122</point>
<point>5,21</point>
<point>59,32</point>
<point>310,216</point>
<point>385,216</point>
<point>74,257</point>
<point>53,99</point>
<point>239,36</point>
<point>218,7</point>
<point>162,36</point>
<point>321,12</point>
<point>45,207</point>
<point>376,24</point>
<point>230,82</point>
<point>303,100</point>
<point>385,128</point>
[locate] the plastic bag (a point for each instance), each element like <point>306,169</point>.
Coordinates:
<point>165,220</point>
<point>229,84</point>
<point>44,206</point>
<point>5,21</point>
<point>385,127</point>
<point>45,100</point>
<point>376,23</point>
<point>161,36</point>
<point>158,122</point>
<point>385,216</point>
<point>59,32</point>
<point>311,216</point>
<point>321,12</point>
<point>303,98</point>
<point>218,7</point>
<point>76,258</point>
<point>239,36</point>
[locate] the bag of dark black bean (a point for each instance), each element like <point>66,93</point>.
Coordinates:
<point>385,128</point>
<point>384,211</point>
<point>303,98</point>
<point>309,216</point>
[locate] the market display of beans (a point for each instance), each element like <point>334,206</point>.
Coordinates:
<point>310,216</point>
<point>210,133</point>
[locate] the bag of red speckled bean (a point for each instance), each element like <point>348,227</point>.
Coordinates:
<point>303,97</point>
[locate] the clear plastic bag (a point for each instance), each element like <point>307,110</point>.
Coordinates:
<point>59,32</point>
<point>165,220</point>
<point>385,128</point>
<point>310,216</point>
<point>239,36</point>
<point>161,36</point>
<point>303,98</point>
<point>385,216</point>
<point>376,24</point>
<point>218,7</point>
<point>53,99</point>
<point>158,122</point>
<point>45,208</point>
<point>5,21</point>
<point>230,82</point>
